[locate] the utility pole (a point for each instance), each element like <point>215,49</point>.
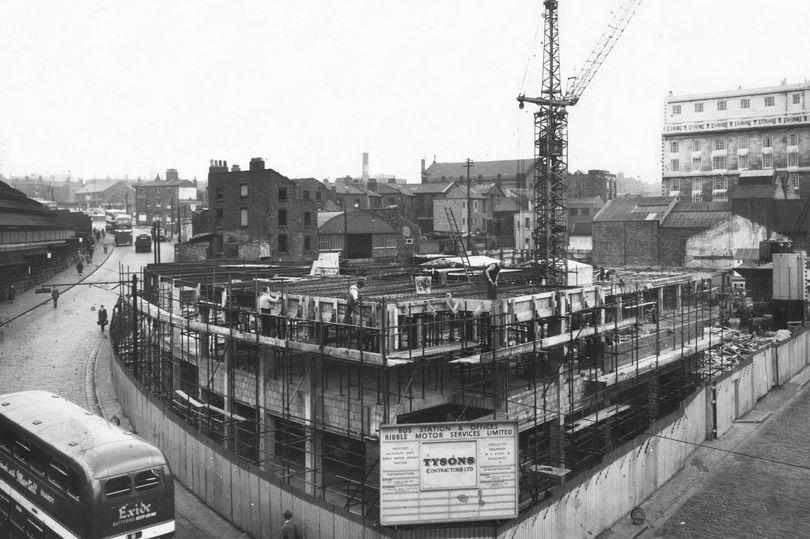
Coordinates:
<point>470,248</point>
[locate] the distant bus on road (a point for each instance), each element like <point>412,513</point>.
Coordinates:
<point>123,237</point>
<point>65,472</point>
<point>117,220</point>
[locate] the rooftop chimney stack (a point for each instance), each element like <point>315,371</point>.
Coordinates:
<point>257,163</point>
<point>365,167</point>
<point>217,165</point>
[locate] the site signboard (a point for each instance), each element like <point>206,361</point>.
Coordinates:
<point>448,472</point>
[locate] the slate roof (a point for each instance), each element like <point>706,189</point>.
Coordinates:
<point>99,186</point>
<point>393,188</point>
<point>428,188</point>
<point>584,202</point>
<point>488,170</point>
<point>635,209</point>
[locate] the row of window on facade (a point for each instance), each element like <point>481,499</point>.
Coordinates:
<point>244,192</point>
<point>745,103</point>
<point>719,162</point>
<point>282,217</point>
<point>743,143</point>
<point>717,184</point>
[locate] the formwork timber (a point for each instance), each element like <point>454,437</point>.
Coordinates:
<point>301,391</point>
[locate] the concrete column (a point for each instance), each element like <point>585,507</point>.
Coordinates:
<point>261,405</point>
<point>557,426</point>
<point>227,365</point>
<point>313,457</point>
<point>678,297</point>
<point>619,307</point>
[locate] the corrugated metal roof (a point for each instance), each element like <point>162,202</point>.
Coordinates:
<point>695,219</point>
<point>746,254</point>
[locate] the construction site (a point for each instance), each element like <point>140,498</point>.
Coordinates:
<point>302,393</point>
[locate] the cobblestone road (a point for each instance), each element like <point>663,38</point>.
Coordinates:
<point>752,497</point>
<point>51,348</point>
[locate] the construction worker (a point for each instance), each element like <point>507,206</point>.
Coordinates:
<point>353,301</point>
<point>491,273</point>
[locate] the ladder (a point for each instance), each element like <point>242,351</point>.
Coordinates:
<point>459,242</point>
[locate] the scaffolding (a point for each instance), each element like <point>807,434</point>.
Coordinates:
<point>300,392</point>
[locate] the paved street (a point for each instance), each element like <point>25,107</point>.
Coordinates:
<point>752,497</point>
<point>58,350</point>
<point>752,482</point>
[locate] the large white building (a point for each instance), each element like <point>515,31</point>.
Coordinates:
<point>713,142</point>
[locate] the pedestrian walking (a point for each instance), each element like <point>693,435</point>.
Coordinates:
<point>289,530</point>
<point>55,296</point>
<point>12,292</point>
<point>105,248</point>
<point>80,266</point>
<point>102,318</point>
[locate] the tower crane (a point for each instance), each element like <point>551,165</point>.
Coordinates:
<point>550,233</point>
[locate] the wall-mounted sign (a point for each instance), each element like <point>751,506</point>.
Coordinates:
<point>448,472</point>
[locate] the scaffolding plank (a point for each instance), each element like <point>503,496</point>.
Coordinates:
<point>431,350</point>
<point>596,417</point>
<point>649,363</point>
<point>548,342</point>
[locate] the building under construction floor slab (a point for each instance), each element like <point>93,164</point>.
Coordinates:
<point>302,392</point>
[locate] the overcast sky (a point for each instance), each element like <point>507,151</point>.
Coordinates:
<point>120,88</point>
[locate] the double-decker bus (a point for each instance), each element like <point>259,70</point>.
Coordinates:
<point>117,220</point>
<point>65,472</point>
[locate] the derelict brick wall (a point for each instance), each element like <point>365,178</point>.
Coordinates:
<point>617,244</point>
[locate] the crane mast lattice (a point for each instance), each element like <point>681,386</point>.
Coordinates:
<point>550,233</point>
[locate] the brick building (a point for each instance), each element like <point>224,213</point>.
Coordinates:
<point>512,173</point>
<point>594,183</point>
<point>107,193</point>
<point>666,232</point>
<point>455,199</point>
<point>582,210</point>
<point>260,214</point>
<point>709,139</point>
<point>165,201</point>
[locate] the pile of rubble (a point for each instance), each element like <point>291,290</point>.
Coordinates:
<point>736,346</point>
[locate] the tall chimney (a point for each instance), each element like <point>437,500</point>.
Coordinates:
<point>365,167</point>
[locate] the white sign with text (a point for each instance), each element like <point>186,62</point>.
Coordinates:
<point>448,472</point>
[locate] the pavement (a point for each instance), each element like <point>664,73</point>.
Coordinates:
<point>22,327</point>
<point>749,483</point>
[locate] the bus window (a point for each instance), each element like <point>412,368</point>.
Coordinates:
<point>146,480</point>
<point>22,450</point>
<point>5,506</point>
<point>37,461</point>
<point>74,485</point>
<point>57,474</point>
<point>34,528</point>
<point>117,486</point>
<point>6,439</point>
<point>18,518</point>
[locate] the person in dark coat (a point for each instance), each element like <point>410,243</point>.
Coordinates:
<point>80,266</point>
<point>102,317</point>
<point>55,296</point>
<point>289,530</point>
